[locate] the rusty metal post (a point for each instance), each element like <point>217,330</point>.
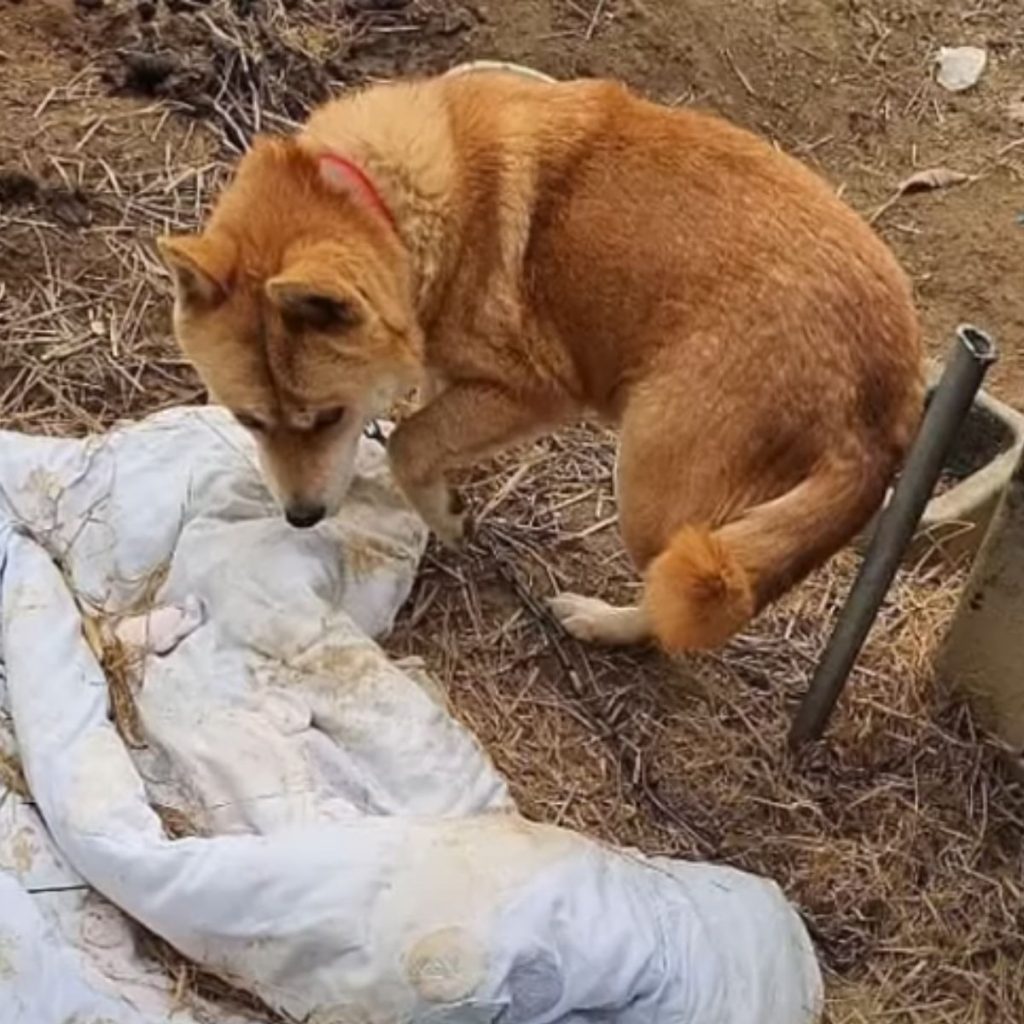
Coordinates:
<point>973,354</point>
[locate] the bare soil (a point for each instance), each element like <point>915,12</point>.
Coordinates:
<point>900,838</point>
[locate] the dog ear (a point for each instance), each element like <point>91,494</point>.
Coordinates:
<point>202,265</point>
<point>307,300</point>
<point>311,292</point>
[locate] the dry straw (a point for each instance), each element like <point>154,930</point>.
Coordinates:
<point>900,838</point>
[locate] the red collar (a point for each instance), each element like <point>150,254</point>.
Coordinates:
<point>356,178</point>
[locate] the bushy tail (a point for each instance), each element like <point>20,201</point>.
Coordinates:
<point>707,584</point>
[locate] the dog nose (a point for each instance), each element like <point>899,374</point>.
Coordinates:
<point>303,516</point>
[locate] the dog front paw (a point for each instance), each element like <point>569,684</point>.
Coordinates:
<point>445,514</point>
<point>452,529</point>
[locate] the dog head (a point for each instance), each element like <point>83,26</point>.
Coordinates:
<point>295,306</point>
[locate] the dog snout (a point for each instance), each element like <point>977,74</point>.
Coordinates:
<point>303,515</point>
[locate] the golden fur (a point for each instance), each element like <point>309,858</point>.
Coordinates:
<point>560,250</point>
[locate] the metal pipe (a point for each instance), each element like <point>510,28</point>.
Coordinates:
<point>973,353</point>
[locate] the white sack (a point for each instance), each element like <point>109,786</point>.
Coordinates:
<point>364,862</point>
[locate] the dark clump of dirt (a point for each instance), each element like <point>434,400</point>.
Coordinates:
<point>253,65</point>
<point>147,74</point>
<point>17,187</point>
<point>982,437</point>
<point>69,207</point>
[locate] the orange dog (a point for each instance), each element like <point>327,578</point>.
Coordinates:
<point>538,252</point>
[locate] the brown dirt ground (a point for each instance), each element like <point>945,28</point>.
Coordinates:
<point>900,838</point>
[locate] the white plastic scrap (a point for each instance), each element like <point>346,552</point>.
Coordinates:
<point>960,67</point>
<point>360,860</point>
<point>473,66</point>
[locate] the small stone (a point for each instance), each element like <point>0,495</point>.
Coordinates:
<point>960,67</point>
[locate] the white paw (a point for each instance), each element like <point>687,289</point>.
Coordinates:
<point>451,529</point>
<point>443,512</point>
<point>585,618</point>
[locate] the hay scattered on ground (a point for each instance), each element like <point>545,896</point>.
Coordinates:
<point>85,341</point>
<point>262,65</point>
<point>197,990</point>
<point>900,837</point>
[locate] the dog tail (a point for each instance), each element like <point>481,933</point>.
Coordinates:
<point>708,583</point>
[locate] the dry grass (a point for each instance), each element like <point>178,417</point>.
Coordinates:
<point>197,990</point>
<point>177,823</point>
<point>247,68</point>
<point>122,669</point>
<point>12,776</point>
<point>83,332</point>
<point>900,837</point>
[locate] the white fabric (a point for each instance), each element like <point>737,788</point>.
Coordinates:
<point>361,860</point>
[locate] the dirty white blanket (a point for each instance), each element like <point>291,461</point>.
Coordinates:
<point>359,859</point>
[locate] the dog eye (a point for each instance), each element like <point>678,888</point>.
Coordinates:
<point>328,418</point>
<point>250,422</point>
<point>319,313</point>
